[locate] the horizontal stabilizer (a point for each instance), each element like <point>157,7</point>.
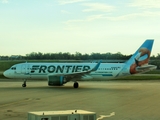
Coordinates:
<point>146,68</point>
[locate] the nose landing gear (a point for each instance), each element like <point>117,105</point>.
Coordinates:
<point>24,84</point>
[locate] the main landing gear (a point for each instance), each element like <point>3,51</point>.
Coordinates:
<point>24,84</point>
<point>75,85</point>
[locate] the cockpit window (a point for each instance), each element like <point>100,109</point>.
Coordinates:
<point>13,68</point>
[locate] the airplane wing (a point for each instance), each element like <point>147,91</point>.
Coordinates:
<point>60,79</point>
<point>79,74</point>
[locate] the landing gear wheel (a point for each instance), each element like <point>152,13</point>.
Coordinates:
<point>76,85</point>
<point>23,85</point>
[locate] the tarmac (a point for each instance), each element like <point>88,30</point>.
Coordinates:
<point>115,100</point>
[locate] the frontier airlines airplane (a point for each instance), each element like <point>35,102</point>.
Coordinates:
<point>58,74</point>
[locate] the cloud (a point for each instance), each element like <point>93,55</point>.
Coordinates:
<point>95,17</point>
<point>87,19</point>
<point>4,1</point>
<point>98,7</point>
<point>63,2</point>
<point>145,4</point>
<point>73,21</point>
<point>134,15</point>
<point>114,18</point>
<point>65,12</point>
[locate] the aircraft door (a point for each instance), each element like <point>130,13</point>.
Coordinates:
<point>18,68</point>
<point>25,68</point>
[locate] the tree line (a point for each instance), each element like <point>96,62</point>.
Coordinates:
<point>155,60</point>
<point>68,56</point>
<point>76,56</point>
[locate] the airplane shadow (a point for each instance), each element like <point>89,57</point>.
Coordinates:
<point>82,86</point>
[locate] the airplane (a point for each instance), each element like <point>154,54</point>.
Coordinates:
<point>58,74</point>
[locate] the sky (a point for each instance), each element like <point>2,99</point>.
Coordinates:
<point>85,26</point>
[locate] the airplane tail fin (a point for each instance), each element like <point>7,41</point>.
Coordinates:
<point>139,60</point>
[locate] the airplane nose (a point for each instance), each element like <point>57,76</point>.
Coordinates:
<point>5,73</point>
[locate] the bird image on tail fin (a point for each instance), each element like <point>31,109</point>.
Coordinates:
<point>139,61</point>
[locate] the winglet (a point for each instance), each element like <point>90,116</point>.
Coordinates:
<point>97,66</point>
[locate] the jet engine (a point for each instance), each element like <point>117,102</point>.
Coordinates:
<point>56,80</point>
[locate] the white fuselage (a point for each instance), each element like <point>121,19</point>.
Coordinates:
<point>43,70</point>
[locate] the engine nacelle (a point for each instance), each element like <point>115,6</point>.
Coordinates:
<point>56,80</point>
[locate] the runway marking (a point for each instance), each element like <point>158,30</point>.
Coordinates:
<point>16,102</point>
<point>104,116</point>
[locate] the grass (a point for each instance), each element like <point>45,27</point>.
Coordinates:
<point>4,65</point>
<point>2,76</point>
<point>153,72</point>
<point>143,77</point>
